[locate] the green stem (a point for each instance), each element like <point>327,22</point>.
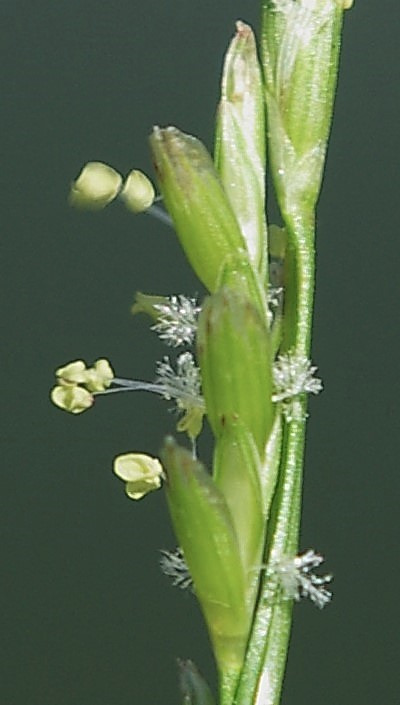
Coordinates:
<point>262,675</point>
<point>299,298</point>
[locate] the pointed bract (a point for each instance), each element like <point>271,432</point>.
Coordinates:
<point>205,532</point>
<point>240,141</point>
<point>236,472</point>
<point>195,689</point>
<point>195,198</point>
<point>234,356</point>
<point>300,47</point>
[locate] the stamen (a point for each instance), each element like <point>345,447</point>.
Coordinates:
<point>160,214</point>
<point>183,386</point>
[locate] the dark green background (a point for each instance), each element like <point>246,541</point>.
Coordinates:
<point>86,616</point>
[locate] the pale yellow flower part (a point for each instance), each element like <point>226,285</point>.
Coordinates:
<point>345,4</point>
<point>95,187</point>
<point>99,377</point>
<point>138,192</point>
<point>141,472</point>
<point>71,398</point>
<point>192,421</point>
<point>73,373</point>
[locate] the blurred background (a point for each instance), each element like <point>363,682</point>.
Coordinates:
<point>86,615</point>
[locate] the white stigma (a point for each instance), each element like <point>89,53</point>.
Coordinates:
<point>177,322</point>
<point>298,580</point>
